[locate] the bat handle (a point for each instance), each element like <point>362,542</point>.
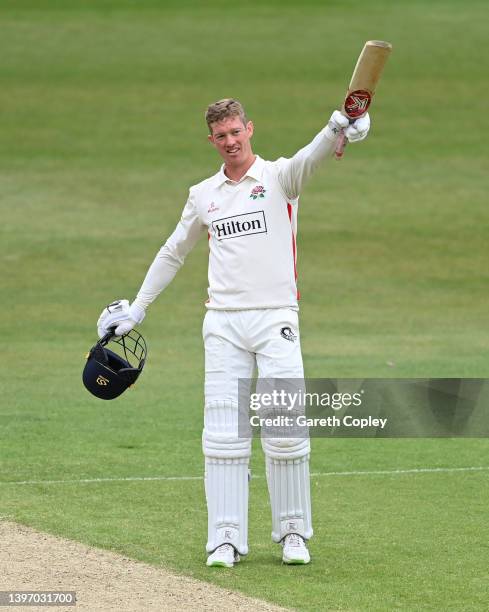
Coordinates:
<point>340,146</point>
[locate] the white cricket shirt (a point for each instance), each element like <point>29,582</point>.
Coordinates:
<point>251,227</point>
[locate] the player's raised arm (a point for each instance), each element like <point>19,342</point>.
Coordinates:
<point>166,264</point>
<point>295,171</point>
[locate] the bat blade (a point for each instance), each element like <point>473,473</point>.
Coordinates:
<point>363,84</point>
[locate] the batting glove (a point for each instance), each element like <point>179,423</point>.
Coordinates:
<point>337,123</point>
<point>120,315</point>
<point>358,130</point>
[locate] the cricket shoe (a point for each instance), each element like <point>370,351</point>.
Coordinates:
<point>224,556</point>
<point>295,550</point>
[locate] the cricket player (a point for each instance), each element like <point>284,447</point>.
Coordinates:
<point>248,210</point>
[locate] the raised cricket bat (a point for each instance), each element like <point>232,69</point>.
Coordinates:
<point>363,83</point>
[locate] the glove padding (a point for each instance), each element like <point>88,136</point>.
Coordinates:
<point>120,315</point>
<point>355,132</point>
<point>337,123</point>
<point>358,130</point>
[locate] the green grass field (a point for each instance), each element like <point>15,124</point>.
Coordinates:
<point>102,104</point>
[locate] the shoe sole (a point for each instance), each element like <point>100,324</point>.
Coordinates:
<point>217,563</point>
<point>295,561</point>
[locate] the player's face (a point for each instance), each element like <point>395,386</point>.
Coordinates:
<point>232,140</point>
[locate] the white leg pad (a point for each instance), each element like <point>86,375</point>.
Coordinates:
<point>226,476</point>
<point>287,463</point>
<point>226,489</point>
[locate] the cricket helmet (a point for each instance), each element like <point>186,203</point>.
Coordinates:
<point>108,373</point>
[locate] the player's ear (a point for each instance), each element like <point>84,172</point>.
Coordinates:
<point>250,128</point>
<point>210,138</point>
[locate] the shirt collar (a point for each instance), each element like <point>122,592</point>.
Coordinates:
<point>255,172</point>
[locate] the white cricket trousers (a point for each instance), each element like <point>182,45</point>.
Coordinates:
<point>235,343</point>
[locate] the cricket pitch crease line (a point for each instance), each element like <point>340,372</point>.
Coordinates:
<point>433,470</point>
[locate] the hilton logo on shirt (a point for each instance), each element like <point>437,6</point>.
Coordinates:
<point>240,225</point>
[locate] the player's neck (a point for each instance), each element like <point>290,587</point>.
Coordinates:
<point>236,172</point>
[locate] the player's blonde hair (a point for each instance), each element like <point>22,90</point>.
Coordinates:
<point>222,109</point>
